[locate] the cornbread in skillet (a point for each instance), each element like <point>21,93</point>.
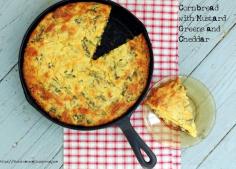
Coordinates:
<point>171,103</point>
<point>67,83</point>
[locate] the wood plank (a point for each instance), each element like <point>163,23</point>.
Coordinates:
<point>24,125</point>
<point>46,147</point>
<point>191,54</point>
<point>58,157</point>
<point>218,73</point>
<point>27,134</point>
<point>9,42</point>
<point>16,115</point>
<point>15,18</point>
<point>225,149</point>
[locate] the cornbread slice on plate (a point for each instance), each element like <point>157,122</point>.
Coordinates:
<point>171,103</point>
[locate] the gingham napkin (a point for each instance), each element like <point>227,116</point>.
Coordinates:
<point>108,148</point>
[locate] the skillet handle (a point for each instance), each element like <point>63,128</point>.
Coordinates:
<point>137,144</point>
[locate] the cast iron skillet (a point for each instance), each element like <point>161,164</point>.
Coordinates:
<point>122,25</point>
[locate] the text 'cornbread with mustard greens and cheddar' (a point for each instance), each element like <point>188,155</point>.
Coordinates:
<point>67,83</point>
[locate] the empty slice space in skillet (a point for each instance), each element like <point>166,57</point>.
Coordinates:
<point>120,28</point>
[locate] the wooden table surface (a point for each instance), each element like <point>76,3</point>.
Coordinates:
<point>26,135</point>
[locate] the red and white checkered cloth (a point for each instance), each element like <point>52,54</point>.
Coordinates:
<point>108,148</point>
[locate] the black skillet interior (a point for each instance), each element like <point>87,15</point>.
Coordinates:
<point>122,25</point>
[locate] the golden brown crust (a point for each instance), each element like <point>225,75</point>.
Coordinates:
<point>67,83</point>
